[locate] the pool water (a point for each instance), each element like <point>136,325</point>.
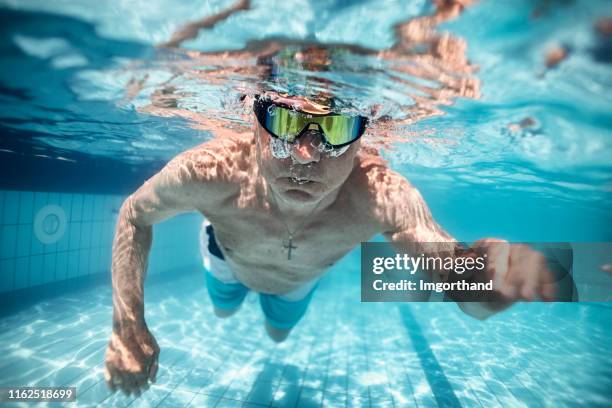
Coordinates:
<point>343,354</point>
<point>498,143</point>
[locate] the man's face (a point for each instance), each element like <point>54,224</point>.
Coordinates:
<point>308,174</point>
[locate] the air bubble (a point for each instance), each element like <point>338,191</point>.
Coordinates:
<point>280,149</point>
<point>328,150</point>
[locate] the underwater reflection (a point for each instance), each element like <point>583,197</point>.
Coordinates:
<point>395,87</point>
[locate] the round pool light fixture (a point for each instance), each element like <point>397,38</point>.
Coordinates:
<point>50,224</point>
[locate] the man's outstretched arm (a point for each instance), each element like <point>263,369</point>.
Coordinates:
<point>517,271</point>
<point>131,358</point>
<point>412,229</point>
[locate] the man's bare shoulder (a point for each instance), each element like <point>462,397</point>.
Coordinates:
<point>222,160</point>
<point>379,193</point>
<point>372,176</point>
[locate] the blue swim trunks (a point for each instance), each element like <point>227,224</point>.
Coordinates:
<point>226,292</point>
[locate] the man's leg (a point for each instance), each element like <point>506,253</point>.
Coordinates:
<point>276,334</point>
<point>223,313</point>
<point>225,297</point>
<point>283,312</point>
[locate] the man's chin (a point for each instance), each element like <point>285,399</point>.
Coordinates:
<point>302,192</point>
<point>299,195</point>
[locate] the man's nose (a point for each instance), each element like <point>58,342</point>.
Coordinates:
<point>304,150</point>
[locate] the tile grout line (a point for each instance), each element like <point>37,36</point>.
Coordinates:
<point>233,379</point>
<point>57,245</point>
<point>69,238</point>
<point>31,242</point>
<point>64,251</point>
<point>299,395</point>
<point>331,338</point>
<point>16,243</point>
<point>45,246</point>
<point>80,235</point>
<point>199,392</point>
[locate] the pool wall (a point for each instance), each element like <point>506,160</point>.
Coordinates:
<point>51,242</point>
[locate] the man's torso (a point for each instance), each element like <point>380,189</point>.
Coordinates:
<point>254,239</point>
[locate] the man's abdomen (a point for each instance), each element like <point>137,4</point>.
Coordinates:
<point>257,276</point>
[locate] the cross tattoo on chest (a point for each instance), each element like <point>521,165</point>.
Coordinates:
<point>289,246</point>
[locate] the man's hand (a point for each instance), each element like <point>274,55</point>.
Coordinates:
<point>518,272</point>
<point>131,359</point>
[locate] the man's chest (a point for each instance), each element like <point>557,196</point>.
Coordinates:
<point>259,239</point>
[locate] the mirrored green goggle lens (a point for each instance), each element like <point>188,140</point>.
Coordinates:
<point>287,124</point>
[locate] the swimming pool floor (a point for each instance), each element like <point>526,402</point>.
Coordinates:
<point>344,353</point>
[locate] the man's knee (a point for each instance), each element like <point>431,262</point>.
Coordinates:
<point>278,335</point>
<point>222,313</point>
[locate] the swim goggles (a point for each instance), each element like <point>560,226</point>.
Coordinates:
<point>287,124</point>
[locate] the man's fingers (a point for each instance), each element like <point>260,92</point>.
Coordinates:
<point>531,278</point>
<point>548,291</point>
<point>128,383</point>
<point>500,265</point>
<point>518,271</point>
<point>115,377</point>
<point>133,360</point>
<point>153,370</point>
<point>120,383</point>
<point>109,379</point>
<point>528,291</point>
<point>142,379</point>
<point>547,284</point>
<point>548,287</point>
<point>132,383</point>
<point>509,290</point>
<point>529,274</point>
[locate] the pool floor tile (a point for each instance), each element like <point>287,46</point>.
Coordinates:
<point>329,360</point>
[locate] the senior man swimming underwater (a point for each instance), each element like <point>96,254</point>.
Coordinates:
<point>283,204</point>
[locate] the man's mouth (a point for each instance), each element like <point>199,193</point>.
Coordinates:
<point>299,180</point>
